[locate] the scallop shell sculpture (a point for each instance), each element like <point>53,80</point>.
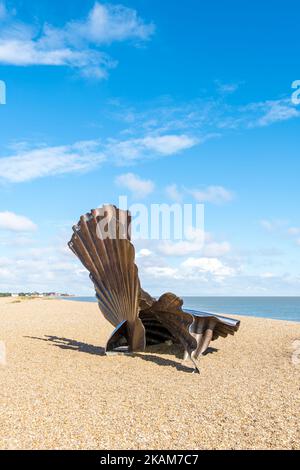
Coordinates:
<point>102,242</point>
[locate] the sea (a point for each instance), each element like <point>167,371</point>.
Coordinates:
<point>277,308</point>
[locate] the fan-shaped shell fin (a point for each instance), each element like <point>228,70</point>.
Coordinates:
<point>101,240</point>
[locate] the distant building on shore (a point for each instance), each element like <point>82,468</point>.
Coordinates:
<point>34,294</point>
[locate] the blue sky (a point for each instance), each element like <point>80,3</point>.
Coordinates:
<point>162,102</point>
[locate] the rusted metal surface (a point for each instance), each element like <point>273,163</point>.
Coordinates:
<point>102,242</point>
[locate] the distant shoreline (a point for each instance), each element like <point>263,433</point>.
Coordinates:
<point>274,308</point>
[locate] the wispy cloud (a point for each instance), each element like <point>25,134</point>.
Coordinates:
<point>273,225</point>
<point>282,229</point>
<point>29,164</point>
<point>132,150</point>
<point>213,194</point>
<point>190,272</point>
<point>160,131</point>
<point>197,242</point>
<point>47,161</point>
<point>16,223</point>
<point>77,44</point>
<point>211,266</point>
<point>226,88</point>
<point>139,188</point>
<point>206,117</point>
<point>270,112</point>
<point>268,275</point>
<point>143,253</point>
<point>163,272</point>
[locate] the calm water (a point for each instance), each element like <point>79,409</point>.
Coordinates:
<point>279,308</point>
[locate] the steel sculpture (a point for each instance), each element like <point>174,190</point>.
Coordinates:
<point>102,242</point>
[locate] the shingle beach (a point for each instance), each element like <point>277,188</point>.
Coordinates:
<point>58,390</point>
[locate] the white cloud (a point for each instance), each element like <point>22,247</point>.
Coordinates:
<point>276,111</point>
<point>213,194</point>
<point>46,161</point>
<point>15,223</point>
<point>158,272</point>
<point>196,275</point>
<point>128,151</point>
<point>194,243</point>
<point>26,53</point>
<point>107,23</point>
<point>208,265</point>
<point>76,44</point>
<point>216,249</point>
<point>181,248</point>
<point>140,188</point>
<point>143,253</point>
<point>197,242</point>
<point>168,144</point>
<point>268,275</point>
